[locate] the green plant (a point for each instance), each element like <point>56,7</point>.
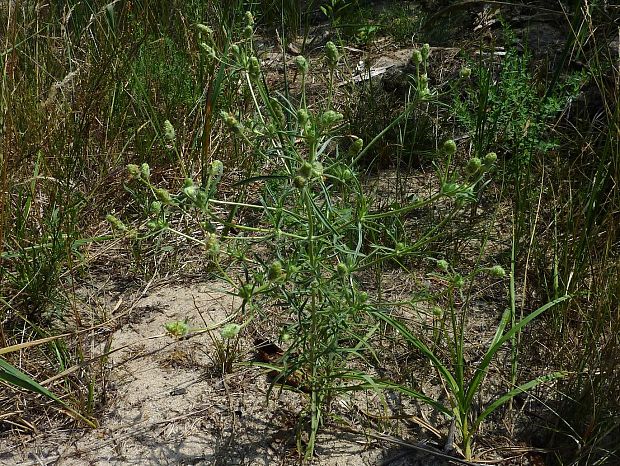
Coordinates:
<point>303,227</point>
<point>316,217</point>
<point>334,10</point>
<point>47,180</point>
<point>364,21</point>
<point>462,383</point>
<point>227,351</point>
<point>226,345</point>
<point>291,16</point>
<point>161,76</point>
<point>87,87</point>
<point>407,138</point>
<point>504,108</point>
<point>584,260</point>
<point>401,21</point>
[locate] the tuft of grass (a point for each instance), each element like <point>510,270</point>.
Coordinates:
<point>11,375</point>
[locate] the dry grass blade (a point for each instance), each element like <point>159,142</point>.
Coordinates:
<point>30,344</point>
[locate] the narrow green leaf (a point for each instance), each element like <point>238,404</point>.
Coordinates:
<point>517,391</point>
<point>14,376</point>
<point>484,364</point>
<point>415,341</point>
<point>501,327</point>
<point>368,383</point>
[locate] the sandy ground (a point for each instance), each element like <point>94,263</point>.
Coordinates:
<point>167,404</point>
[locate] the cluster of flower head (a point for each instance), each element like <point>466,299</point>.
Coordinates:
<point>308,171</point>
<point>496,271</point>
<point>313,127</point>
<point>142,172</point>
<point>178,328</point>
<point>208,43</point>
<point>419,57</point>
<point>247,62</point>
<point>474,170</point>
<point>477,166</point>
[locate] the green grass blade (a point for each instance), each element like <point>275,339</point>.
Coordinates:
<point>517,391</point>
<point>415,341</point>
<point>14,376</point>
<point>378,137</point>
<point>481,370</point>
<point>368,383</point>
<point>502,326</point>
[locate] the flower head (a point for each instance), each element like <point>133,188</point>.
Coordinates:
<point>249,18</point>
<point>489,159</point>
<point>449,147</point>
<point>473,166</point>
<point>206,30</point>
<point>145,171</point>
<point>217,168</point>
<point>425,52</point>
<point>212,245</point>
<point>169,132</point>
<point>178,328</point>
<point>276,271</point>
<point>229,331</point>
<point>303,116</point>
<point>163,196</point>
<point>416,57</point>
<point>332,54</point>
<point>465,72</point>
<point>330,118</point>
<point>134,170</point>
<point>299,181</point>
<point>231,122</point>
<point>305,170</point>
<point>356,146</point>
<point>210,51</point>
<point>342,269</point>
<point>302,64</point>
<point>155,208</point>
<point>116,223</point>
<point>497,271</point>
